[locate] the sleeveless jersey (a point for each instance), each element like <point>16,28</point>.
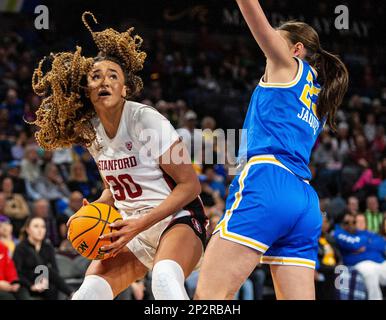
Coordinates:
<point>128,162</point>
<point>282,121</point>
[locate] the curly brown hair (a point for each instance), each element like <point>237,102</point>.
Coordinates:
<point>64,116</point>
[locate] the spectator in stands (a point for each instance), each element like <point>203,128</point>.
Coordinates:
<point>207,81</point>
<point>191,137</point>
<point>379,142</point>
<point>360,222</point>
<point>16,207</point>
<point>343,141</point>
<point>9,280</point>
<point>370,127</point>
<point>327,163</point>
<point>63,159</point>
<point>78,181</point>
<point>213,180</point>
<point>19,147</point>
<point>41,209</point>
<point>369,180</point>
<point>353,205</point>
<point>13,171</point>
<point>361,150</point>
<point>328,258</point>
<point>15,107</point>
<point>6,234</point>
<point>34,250</point>
<point>30,164</point>
<point>365,251</point>
<point>51,185</point>
<point>373,216</point>
<point>213,203</point>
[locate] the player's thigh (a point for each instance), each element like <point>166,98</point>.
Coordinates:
<point>181,244</point>
<point>225,268</point>
<point>120,271</point>
<point>293,282</point>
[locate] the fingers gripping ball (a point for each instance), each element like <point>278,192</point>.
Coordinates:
<point>87,225</point>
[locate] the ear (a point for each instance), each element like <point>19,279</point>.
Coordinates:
<point>124,91</point>
<point>299,50</point>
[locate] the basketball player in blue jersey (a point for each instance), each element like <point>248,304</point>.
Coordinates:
<point>272,213</point>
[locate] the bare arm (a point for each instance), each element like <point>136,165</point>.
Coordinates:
<point>187,185</point>
<point>273,45</point>
<point>106,195</point>
<point>186,190</point>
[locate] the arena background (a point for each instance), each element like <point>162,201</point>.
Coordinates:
<point>202,62</point>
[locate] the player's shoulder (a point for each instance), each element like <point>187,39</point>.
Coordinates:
<point>137,111</point>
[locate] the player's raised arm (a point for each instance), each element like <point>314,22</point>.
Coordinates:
<point>273,45</point>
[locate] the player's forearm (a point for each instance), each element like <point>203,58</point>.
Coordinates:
<point>273,46</point>
<point>106,197</point>
<point>255,18</point>
<point>181,195</point>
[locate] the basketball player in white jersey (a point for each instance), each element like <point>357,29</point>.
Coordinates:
<point>146,171</point>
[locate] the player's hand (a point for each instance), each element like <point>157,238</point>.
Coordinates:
<point>85,203</point>
<point>127,230</point>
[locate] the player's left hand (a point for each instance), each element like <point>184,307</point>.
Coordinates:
<point>127,230</point>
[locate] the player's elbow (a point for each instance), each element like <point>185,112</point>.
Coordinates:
<point>195,188</point>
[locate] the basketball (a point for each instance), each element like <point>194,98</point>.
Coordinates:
<point>87,225</point>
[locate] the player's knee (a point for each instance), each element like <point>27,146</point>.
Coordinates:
<point>206,293</point>
<point>94,288</point>
<point>168,281</point>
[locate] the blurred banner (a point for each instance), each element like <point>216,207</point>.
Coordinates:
<point>11,5</point>
<point>19,6</point>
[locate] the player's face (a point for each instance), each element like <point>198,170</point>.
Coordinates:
<point>106,84</point>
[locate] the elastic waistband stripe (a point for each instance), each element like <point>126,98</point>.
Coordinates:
<point>269,158</point>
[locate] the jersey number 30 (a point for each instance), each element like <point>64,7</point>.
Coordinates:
<point>124,186</point>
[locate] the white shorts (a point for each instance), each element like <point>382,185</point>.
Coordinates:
<point>144,245</point>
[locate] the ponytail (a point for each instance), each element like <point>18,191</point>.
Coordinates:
<point>334,76</point>
<point>331,70</point>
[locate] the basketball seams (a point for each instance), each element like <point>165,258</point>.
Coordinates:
<point>100,216</point>
<point>91,217</point>
<point>103,229</point>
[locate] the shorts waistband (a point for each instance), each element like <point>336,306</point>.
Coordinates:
<point>270,158</point>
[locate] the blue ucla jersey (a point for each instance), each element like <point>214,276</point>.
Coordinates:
<point>282,121</point>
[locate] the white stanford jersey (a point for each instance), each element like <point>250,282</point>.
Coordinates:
<point>128,161</point>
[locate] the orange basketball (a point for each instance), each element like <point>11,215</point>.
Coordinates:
<point>87,225</point>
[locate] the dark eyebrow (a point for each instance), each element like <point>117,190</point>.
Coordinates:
<point>98,70</point>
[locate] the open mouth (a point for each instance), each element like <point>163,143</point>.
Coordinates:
<point>104,93</point>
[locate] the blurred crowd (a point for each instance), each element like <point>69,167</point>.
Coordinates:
<point>204,83</point>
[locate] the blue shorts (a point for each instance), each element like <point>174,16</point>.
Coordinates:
<point>271,210</point>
